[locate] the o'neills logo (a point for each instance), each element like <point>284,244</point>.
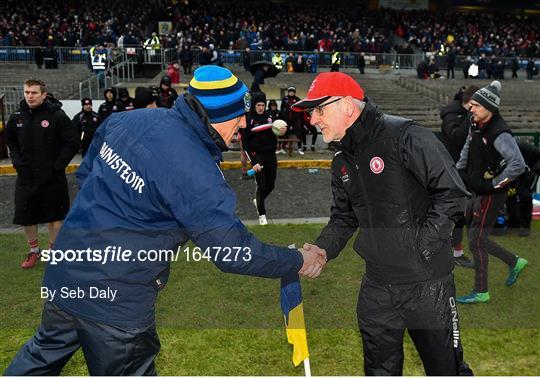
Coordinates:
<point>376,165</point>
<point>344,174</point>
<point>455,323</point>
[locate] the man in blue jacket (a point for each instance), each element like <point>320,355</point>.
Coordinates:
<point>150,181</point>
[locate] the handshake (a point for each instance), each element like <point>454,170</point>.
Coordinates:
<point>314,260</point>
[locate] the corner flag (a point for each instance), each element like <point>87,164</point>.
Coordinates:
<point>293,311</point>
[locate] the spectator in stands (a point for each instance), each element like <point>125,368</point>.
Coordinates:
<point>99,62</point>
<point>173,71</point>
<point>433,69</point>
<point>111,104</point>
<point>530,69</point>
<point>310,67</point>
<point>41,141</point>
<point>490,160</point>
<point>258,78</point>
<point>246,59</point>
<point>490,68</point>
<point>482,66</point>
<point>422,70</point>
<point>146,97</point>
<point>466,65</point>
<point>289,62</point>
<point>519,204</point>
<point>38,57</point>
<point>454,130</point>
<point>361,63</point>
<point>126,99</point>
<point>186,59</point>
<point>205,57</point>
<point>216,56</point>
<point>336,61</point>
<point>450,63</point>
<point>515,67</point>
<point>167,94</point>
<point>86,123</point>
<point>277,60</point>
<point>499,70</point>
<point>351,30</point>
<point>259,142</point>
<point>50,57</point>
<point>300,64</point>
<point>293,119</point>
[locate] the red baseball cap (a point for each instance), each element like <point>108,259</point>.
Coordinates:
<point>326,85</point>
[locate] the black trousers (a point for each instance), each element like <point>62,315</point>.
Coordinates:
<point>310,130</point>
<point>482,212</point>
<point>427,310</point>
<point>448,70</point>
<point>457,234</point>
<point>266,179</point>
<point>107,350</point>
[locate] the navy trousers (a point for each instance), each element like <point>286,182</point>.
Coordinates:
<point>108,350</point>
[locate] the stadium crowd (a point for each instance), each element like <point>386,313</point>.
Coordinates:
<point>267,26</point>
<point>500,35</point>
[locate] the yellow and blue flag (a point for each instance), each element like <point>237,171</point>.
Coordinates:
<point>293,311</point>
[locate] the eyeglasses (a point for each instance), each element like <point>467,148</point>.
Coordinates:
<point>319,108</point>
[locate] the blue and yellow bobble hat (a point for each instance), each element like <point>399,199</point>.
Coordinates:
<point>222,94</point>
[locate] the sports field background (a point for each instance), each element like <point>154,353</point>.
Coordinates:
<point>211,323</point>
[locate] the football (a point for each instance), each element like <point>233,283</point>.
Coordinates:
<point>279,127</point>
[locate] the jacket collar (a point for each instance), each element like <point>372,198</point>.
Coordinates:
<point>189,107</point>
<point>362,127</point>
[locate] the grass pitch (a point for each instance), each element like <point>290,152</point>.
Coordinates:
<point>215,324</point>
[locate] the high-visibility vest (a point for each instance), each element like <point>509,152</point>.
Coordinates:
<point>152,43</point>
<point>442,50</point>
<point>336,58</point>
<point>277,61</point>
<point>99,60</point>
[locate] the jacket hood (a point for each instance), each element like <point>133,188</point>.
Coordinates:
<point>123,92</point>
<point>165,80</point>
<point>453,107</point>
<point>191,109</point>
<point>113,90</point>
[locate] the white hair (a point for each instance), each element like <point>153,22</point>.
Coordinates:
<point>359,104</point>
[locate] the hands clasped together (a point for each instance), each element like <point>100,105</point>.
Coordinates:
<point>314,260</point>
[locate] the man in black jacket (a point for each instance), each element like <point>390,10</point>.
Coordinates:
<point>126,99</point>
<point>259,142</point>
<point>86,123</point>
<point>111,104</point>
<point>293,119</point>
<point>454,130</point>
<point>167,94</point>
<point>41,141</point>
<point>396,182</point>
<point>489,162</point>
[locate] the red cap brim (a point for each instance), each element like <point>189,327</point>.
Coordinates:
<point>308,103</point>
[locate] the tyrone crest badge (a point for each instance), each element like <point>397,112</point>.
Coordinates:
<point>376,165</point>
